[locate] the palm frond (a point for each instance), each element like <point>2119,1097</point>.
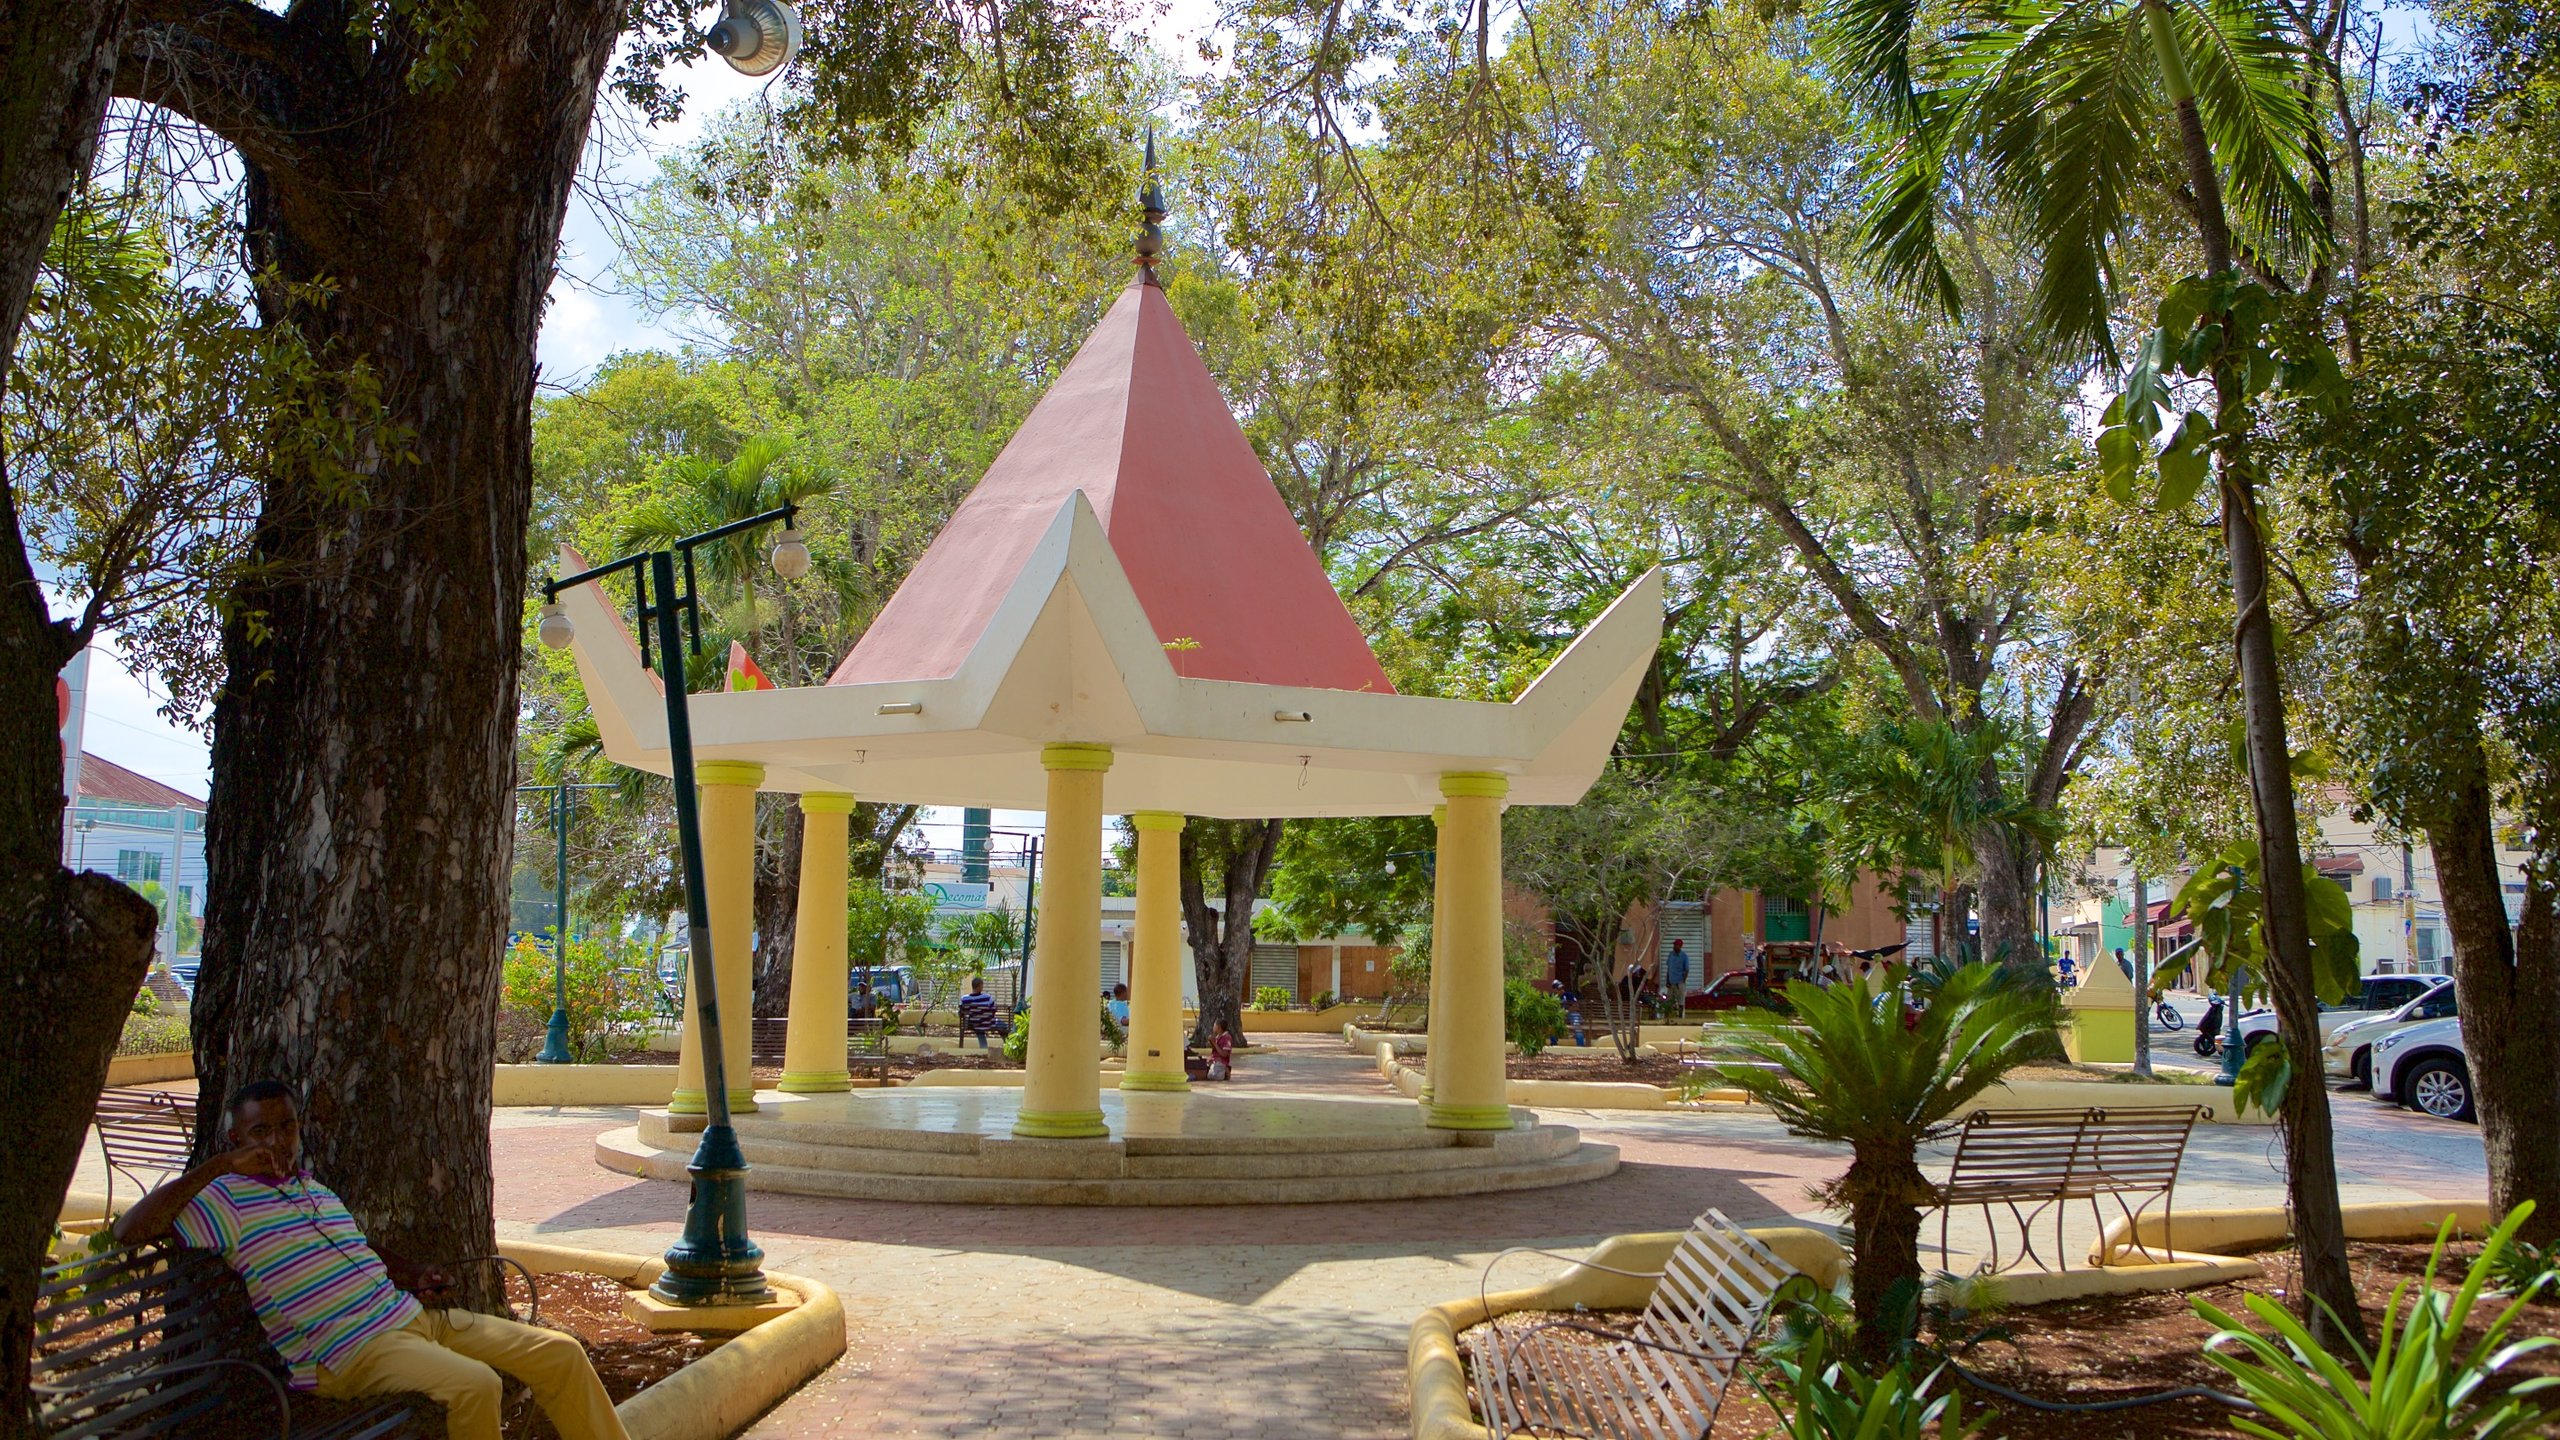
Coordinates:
<point>2247,74</point>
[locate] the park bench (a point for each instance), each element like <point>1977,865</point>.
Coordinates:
<point>144,1132</point>
<point>160,1340</point>
<point>2031,1161</point>
<point>866,1044</point>
<point>1664,1378</point>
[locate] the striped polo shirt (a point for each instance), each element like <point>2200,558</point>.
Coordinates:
<point>318,1287</point>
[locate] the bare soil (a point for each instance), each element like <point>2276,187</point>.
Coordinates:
<point>628,1357</point>
<point>2098,1350</point>
<point>1660,1070</point>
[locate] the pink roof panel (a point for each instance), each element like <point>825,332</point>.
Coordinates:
<point>1136,423</point>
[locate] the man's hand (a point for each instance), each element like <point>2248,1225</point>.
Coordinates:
<point>254,1160</point>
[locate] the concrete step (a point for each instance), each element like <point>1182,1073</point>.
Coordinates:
<point>1343,1177</point>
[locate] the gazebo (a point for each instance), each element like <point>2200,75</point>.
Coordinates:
<point>1121,618</point>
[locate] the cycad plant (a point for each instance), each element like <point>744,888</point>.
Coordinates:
<point>2068,112</point>
<point>1845,1065</point>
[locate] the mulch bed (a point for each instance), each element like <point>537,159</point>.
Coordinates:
<point>2106,1349</point>
<point>628,1357</point>
<point>900,1067</point>
<point>1660,1070</point>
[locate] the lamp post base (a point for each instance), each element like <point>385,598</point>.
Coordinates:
<point>555,1041</point>
<point>715,1263</point>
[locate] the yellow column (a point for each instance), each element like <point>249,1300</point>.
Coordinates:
<point>729,886</point>
<point>1155,980</point>
<point>1062,1089</point>
<point>813,1048</point>
<point>1471,1093</point>
<point>1435,1039</point>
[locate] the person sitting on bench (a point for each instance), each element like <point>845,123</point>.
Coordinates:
<point>977,1013</point>
<point>343,1314</point>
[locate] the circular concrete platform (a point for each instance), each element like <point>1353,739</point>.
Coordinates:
<point>1202,1148</point>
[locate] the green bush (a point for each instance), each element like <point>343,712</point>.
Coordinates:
<point>144,1002</point>
<point>1270,997</point>
<point>1531,1018</point>
<point>611,1006</point>
<point>155,1033</point>
<point>2421,1381</point>
<point>1017,1041</point>
<point>1323,1001</point>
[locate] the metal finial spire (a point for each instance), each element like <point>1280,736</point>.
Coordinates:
<point>1151,199</point>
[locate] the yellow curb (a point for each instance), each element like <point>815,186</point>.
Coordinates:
<point>145,1069</point>
<point>2258,1227</point>
<point>717,1395</point>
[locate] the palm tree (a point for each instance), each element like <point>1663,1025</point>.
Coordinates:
<point>1841,1065</point>
<point>2056,106</point>
<point>696,495</point>
<point>1917,799</point>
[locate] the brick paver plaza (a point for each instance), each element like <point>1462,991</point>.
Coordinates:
<point>1204,1322</point>
<point>1251,1320</point>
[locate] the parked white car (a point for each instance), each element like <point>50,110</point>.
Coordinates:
<point>2349,1054</point>
<point>2379,995</point>
<point>2424,1067</point>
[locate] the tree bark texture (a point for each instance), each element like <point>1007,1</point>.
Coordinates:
<point>777,904</point>
<point>362,811</point>
<point>2510,984</point>
<point>2005,881</point>
<point>1222,941</point>
<point>73,948</point>
<point>1883,1191</point>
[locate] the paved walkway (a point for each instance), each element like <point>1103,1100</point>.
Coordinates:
<point>1217,1321</point>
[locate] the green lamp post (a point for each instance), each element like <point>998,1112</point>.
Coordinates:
<point>715,1262</point>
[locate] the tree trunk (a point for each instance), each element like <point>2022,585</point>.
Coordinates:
<point>1222,942</point>
<point>2141,975</point>
<point>1884,1222</point>
<point>2004,876</point>
<point>2510,985</point>
<point>2311,1168</point>
<point>73,948</point>
<point>363,750</point>
<point>778,909</point>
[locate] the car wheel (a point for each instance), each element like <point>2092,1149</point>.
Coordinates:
<point>2360,1070</point>
<point>2438,1087</point>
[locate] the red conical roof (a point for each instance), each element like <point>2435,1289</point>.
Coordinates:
<point>1139,426</point>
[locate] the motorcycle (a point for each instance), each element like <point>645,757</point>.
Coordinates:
<point>2166,1016</point>
<point>2209,1029</point>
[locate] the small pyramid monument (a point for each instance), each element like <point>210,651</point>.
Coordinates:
<point>1137,423</point>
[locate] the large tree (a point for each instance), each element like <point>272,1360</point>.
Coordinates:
<point>406,169</point>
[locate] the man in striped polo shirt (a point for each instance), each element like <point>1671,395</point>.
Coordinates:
<point>343,1315</point>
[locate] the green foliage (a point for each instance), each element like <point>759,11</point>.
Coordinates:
<point>2528,1271</point>
<point>2223,899</point>
<point>1338,876</point>
<point>1017,1041</point>
<point>612,1002</point>
<point>1818,1398</point>
<point>2209,326</point>
<point>1531,1018</point>
<point>144,1002</point>
<point>1270,997</point>
<point>1911,797</point>
<point>155,1034</point>
<point>2423,1380</point>
<point>884,924</point>
<point>1323,1001</point>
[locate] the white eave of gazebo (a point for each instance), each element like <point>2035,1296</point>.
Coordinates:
<point>1068,651</point>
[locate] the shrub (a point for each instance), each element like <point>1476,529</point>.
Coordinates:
<point>1531,1018</point>
<point>610,1006</point>
<point>144,1002</point>
<point>1818,1398</point>
<point>1270,997</point>
<point>149,1033</point>
<point>2423,1379</point>
<point>1323,1001</point>
<point>1017,1041</point>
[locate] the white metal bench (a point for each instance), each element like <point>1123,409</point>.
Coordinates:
<point>1662,1379</point>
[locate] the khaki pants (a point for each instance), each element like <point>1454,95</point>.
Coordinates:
<point>454,1356</point>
